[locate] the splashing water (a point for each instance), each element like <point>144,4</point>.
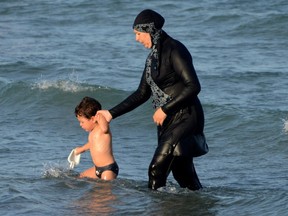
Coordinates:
<point>285,126</point>
<point>55,170</point>
<point>64,85</point>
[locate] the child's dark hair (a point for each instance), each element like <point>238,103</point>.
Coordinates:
<point>87,108</point>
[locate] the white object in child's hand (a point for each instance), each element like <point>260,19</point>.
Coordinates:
<point>73,159</point>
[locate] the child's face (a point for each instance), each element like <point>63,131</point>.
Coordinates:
<point>86,124</point>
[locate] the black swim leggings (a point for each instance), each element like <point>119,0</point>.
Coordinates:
<point>182,168</point>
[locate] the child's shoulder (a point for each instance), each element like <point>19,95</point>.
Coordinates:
<point>98,130</point>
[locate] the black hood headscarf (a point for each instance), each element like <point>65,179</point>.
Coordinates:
<point>151,22</point>
<point>148,21</point>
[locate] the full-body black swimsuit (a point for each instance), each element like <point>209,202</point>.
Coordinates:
<point>178,79</point>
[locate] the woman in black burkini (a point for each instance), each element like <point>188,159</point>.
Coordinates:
<point>170,79</point>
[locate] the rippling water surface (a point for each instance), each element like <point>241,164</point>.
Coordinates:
<point>52,53</point>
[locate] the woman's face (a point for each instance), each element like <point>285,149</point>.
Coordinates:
<point>143,38</point>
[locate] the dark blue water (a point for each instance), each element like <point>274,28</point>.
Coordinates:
<point>53,53</point>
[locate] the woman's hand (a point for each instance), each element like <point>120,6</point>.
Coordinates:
<point>107,115</point>
<point>102,122</point>
<point>159,117</point>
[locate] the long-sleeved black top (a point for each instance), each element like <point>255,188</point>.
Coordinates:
<point>177,78</point>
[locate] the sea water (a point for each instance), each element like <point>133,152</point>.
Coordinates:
<point>53,53</point>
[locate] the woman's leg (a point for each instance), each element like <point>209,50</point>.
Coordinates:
<point>173,131</point>
<point>159,169</point>
<point>185,174</point>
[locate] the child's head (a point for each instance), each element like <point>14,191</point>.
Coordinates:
<point>87,108</point>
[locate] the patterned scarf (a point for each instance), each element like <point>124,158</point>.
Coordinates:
<point>159,98</point>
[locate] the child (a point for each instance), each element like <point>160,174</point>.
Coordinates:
<point>99,141</point>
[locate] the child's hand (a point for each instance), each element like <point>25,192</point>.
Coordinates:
<point>107,115</point>
<point>76,151</point>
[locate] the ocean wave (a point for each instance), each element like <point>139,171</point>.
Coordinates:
<point>270,24</point>
<point>65,86</point>
<point>61,85</point>
<point>4,81</point>
<point>44,94</point>
<point>285,125</point>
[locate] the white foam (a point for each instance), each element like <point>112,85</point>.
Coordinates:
<point>63,85</point>
<point>5,81</point>
<point>285,127</point>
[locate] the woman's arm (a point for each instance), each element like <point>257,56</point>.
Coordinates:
<point>141,95</point>
<point>182,63</point>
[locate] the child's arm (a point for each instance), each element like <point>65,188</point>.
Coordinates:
<point>81,149</point>
<point>103,124</point>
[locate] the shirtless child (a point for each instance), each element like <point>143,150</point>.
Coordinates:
<point>99,141</point>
